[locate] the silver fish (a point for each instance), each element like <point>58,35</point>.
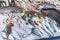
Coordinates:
<point>8,31</point>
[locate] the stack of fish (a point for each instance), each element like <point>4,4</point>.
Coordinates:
<point>13,27</point>
<point>44,26</point>
<point>35,4</point>
<point>27,26</point>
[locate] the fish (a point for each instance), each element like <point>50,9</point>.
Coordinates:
<point>8,31</point>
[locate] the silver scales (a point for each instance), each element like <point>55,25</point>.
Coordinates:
<point>22,32</point>
<point>19,31</point>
